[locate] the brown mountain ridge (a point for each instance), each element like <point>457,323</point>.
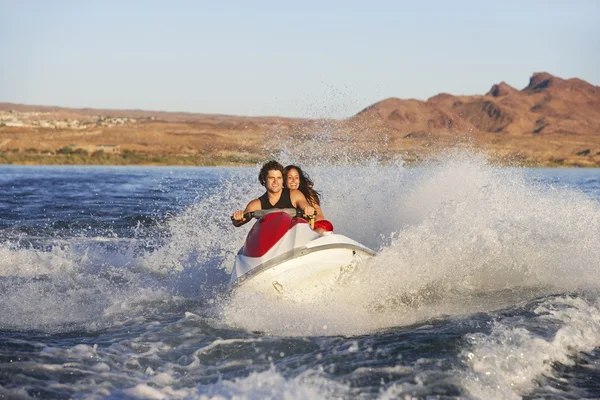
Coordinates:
<point>547,105</point>
<point>552,121</point>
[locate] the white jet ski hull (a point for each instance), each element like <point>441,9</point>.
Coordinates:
<point>303,273</point>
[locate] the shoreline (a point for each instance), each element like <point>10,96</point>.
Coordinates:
<point>149,160</point>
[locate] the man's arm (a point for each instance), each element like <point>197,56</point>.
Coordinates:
<point>237,218</point>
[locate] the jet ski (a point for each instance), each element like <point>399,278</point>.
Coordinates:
<point>283,256</point>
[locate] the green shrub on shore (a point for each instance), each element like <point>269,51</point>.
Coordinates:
<point>67,156</point>
<point>64,150</point>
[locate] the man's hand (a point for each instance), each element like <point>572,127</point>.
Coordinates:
<point>238,218</point>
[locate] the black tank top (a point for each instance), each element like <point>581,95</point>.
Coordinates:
<point>284,201</point>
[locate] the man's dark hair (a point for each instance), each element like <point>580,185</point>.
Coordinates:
<point>305,186</point>
<point>269,166</point>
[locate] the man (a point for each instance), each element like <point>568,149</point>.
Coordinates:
<point>276,196</point>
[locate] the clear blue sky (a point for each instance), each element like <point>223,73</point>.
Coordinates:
<point>297,59</point>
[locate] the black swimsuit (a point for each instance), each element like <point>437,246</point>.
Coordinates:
<point>284,201</point>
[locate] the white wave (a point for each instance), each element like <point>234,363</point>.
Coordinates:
<point>505,363</point>
<point>268,384</point>
<point>76,285</point>
<point>30,262</point>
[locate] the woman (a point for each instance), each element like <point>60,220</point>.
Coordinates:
<point>295,178</point>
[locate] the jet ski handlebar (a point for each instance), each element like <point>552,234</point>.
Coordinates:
<point>292,212</point>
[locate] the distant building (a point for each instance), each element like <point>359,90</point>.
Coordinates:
<point>14,123</point>
<point>109,148</point>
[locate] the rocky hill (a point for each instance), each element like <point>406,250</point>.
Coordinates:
<point>548,105</point>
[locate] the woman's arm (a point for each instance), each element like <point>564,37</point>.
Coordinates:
<point>320,215</point>
<point>299,201</point>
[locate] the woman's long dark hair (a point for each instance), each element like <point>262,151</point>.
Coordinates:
<point>305,186</point>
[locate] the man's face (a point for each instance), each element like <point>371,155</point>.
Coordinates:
<point>274,181</point>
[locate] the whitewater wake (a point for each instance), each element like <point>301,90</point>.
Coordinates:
<point>454,237</point>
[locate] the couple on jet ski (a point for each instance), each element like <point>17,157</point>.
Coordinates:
<point>296,192</point>
<point>282,255</point>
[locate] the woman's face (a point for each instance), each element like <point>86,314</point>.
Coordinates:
<point>292,180</point>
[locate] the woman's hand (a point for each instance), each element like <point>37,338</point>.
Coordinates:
<point>309,211</point>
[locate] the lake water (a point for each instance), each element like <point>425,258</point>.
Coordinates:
<point>486,285</point>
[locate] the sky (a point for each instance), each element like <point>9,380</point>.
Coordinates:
<point>294,59</point>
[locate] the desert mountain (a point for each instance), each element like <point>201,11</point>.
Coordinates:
<point>548,105</point>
